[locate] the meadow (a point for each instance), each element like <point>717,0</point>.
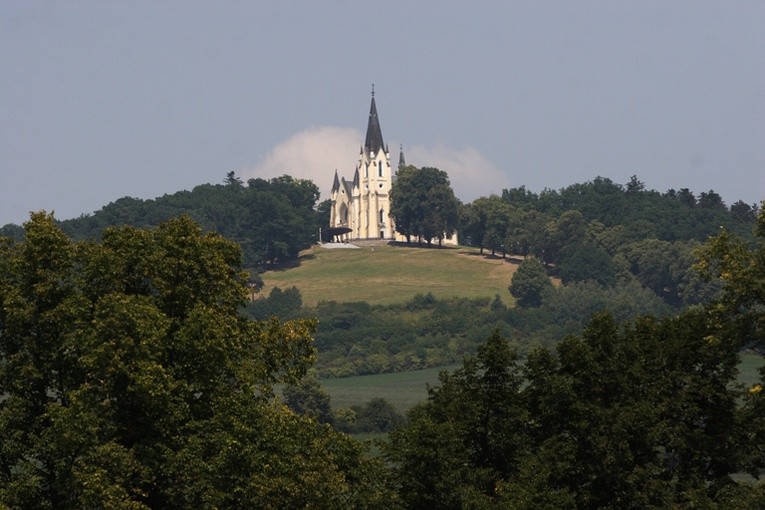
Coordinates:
<point>393,274</point>
<point>405,389</point>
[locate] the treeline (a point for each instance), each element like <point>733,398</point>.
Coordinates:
<point>602,231</point>
<point>272,220</point>
<point>359,338</point>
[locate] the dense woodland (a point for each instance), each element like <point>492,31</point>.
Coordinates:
<point>271,220</point>
<point>131,378</point>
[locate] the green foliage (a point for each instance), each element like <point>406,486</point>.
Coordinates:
<point>589,262</point>
<point>377,415</point>
<point>358,338</point>
<point>741,268</point>
<point>308,398</point>
<point>272,220</point>
<point>530,283</point>
<point>605,232</point>
<point>643,416</point>
<point>284,304</point>
<point>130,380</point>
<point>423,204</point>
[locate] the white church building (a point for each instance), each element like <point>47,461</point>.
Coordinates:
<point>361,207</point>
<point>363,204</point>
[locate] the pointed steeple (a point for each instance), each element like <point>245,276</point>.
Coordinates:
<point>356,179</point>
<point>336,183</point>
<point>374,141</point>
<point>401,160</point>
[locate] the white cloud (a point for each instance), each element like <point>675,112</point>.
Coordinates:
<point>312,154</point>
<point>471,174</point>
<point>316,152</point>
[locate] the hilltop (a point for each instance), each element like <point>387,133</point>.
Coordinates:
<point>393,274</point>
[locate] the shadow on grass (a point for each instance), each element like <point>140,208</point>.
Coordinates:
<point>434,246</point>
<point>513,259</point>
<point>290,264</point>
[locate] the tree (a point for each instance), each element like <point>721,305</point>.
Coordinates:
<point>468,434</point>
<point>233,181</point>
<point>589,262</point>
<point>529,283</point>
<point>130,380</point>
<point>643,415</point>
<point>423,204</point>
<point>741,268</point>
<point>308,398</point>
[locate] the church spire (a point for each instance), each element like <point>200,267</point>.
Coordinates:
<point>401,160</point>
<point>374,141</point>
<point>336,183</point>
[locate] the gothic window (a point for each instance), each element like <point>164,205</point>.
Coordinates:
<point>343,214</point>
<point>382,216</point>
<point>379,170</point>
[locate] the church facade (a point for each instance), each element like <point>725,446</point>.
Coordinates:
<point>361,207</point>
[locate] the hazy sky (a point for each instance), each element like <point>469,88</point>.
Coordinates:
<point>105,99</point>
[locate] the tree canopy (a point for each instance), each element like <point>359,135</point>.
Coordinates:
<point>530,283</point>
<point>423,204</point>
<point>271,220</point>
<point>130,380</point>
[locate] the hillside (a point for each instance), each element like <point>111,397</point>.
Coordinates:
<point>393,274</point>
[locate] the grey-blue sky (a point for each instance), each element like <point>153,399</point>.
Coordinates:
<point>100,100</point>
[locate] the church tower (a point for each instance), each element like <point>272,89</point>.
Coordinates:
<point>364,204</point>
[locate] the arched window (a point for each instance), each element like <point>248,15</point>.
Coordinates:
<point>382,215</point>
<point>380,170</point>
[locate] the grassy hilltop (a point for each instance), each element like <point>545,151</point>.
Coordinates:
<point>388,274</point>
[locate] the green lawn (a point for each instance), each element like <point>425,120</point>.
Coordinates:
<point>749,368</point>
<point>388,274</point>
<point>403,389</point>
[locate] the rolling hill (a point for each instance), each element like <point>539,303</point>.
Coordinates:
<point>393,274</point>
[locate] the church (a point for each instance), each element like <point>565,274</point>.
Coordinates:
<point>361,207</point>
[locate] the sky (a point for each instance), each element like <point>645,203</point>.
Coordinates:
<point>105,99</point>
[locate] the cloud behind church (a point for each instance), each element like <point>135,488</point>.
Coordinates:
<point>316,152</point>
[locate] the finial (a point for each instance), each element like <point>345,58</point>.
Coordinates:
<point>373,90</point>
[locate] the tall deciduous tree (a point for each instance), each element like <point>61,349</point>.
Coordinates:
<point>423,204</point>
<point>529,283</point>
<point>130,380</point>
<point>640,416</point>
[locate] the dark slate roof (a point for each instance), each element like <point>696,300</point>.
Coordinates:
<point>374,141</point>
<point>356,179</point>
<point>336,183</point>
<point>348,189</point>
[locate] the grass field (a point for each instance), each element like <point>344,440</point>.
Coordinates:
<point>405,389</point>
<point>388,274</point>
<point>749,368</point>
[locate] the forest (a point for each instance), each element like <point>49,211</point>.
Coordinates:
<point>135,373</point>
